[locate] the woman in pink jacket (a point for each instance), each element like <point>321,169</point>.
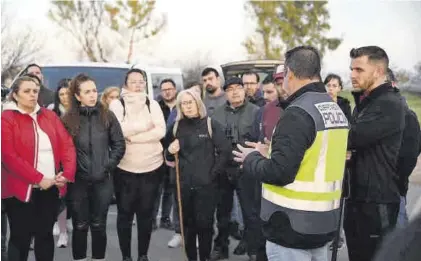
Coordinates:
<point>137,177</point>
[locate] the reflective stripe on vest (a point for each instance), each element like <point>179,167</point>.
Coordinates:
<point>318,184</point>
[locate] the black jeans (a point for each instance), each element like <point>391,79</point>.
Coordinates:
<point>198,211</point>
<point>136,194</point>
<point>365,225</point>
<point>32,219</point>
<point>90,202</point>
<point>248,191</point>
<point>166,190</point>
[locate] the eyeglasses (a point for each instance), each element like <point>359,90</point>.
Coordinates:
<point>185,103</point>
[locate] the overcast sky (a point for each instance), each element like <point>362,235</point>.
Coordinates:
<point>216,29</point>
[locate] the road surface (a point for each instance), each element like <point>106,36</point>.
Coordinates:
<point>159,251</point>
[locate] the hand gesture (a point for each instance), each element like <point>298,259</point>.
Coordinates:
<point>46,183</point>
<point>262,148</point>
<point>174,147</point>
<point>60,180</point>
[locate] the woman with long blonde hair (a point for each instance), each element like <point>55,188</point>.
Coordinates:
<point>195,138</point>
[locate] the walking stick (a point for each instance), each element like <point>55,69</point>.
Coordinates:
<point>180,208</point>
<point>338,231</point>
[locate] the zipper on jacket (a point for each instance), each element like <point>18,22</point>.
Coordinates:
<point>90,144</point>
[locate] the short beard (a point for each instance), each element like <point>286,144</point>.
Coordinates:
<point>210,90</point>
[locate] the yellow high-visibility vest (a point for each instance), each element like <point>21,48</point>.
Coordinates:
<point>315,194</point>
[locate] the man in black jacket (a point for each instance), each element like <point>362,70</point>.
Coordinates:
<point>46,96</point>
<point>301,180</point>
<point>167,104</point>
<point>237,118</point>
<point>375,137</point>
<point>408,153</point>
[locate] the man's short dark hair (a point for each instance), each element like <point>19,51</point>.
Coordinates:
<point>32,65</point>
<point>332,76</point>
<point>374,54</point>
<point>168,80</point>
<point>390,75</point>
<point>268,79</point>
<point>253,73</point>
<point>209,70</point>
<point>304,62</point>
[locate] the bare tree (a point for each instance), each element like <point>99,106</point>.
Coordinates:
<point>18,47</point>
<point>192,68</point>
<point>84,21</point>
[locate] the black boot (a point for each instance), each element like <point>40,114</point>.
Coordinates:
<point>219,253</point>
<point>241,248</point>
<point>143,258</point>
<point>234,231</point>
<point>127,259</point>
<point>166,224</point>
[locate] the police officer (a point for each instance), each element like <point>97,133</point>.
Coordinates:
<point>300,190</point>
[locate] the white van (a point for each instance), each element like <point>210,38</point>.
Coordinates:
<point>110,74</point>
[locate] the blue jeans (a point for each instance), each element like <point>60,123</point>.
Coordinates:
<point>402,216</point>
<point>279,253</point>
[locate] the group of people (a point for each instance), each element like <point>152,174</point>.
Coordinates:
<point>275,150</point>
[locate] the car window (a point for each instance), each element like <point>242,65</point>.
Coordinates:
<point>157,79</point>
<point>104,77</point>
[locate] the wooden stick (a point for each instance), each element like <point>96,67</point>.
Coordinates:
<point>180,208</point>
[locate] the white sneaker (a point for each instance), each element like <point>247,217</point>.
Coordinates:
<point>69,226</point>
<point>62,240</point>
<point>56,229</point>
<point>175,241</point>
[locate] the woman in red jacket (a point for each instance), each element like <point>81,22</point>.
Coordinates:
<point>34,145</point>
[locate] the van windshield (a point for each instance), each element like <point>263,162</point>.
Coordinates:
<point>104,76</point>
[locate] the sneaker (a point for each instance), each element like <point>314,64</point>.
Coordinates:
<point>62,240</point>
<point>69,225</point>
<point>143,258</point>
<point>56,229</point>
<point>176,241</point>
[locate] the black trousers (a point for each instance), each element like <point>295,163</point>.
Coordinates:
<point>32,219</point>
<point>90,202</point>
<point>136,194</point>
<point>365,225</point>
<point>249,194</point>
<point>198,215</point>
<point>166,193</point>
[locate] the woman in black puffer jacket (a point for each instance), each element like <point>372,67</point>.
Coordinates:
<point>196,138</point>
<point>100,145</point>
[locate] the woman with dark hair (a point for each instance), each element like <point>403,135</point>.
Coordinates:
<point>61,98</point>
<point>137,178</point>
<point>35,145</point>
<point>60,106</point>
<point>334,86</point>
<point>100,145</point>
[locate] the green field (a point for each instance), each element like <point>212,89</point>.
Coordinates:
<point>414,101</point>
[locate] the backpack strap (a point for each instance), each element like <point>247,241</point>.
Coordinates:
<point>124,106</point>
<point>148,103</point>
<point>209,121</point>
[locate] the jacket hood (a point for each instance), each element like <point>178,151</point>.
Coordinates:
<point>12,106</point>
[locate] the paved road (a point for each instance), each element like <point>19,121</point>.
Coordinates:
<point>160,252</point>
